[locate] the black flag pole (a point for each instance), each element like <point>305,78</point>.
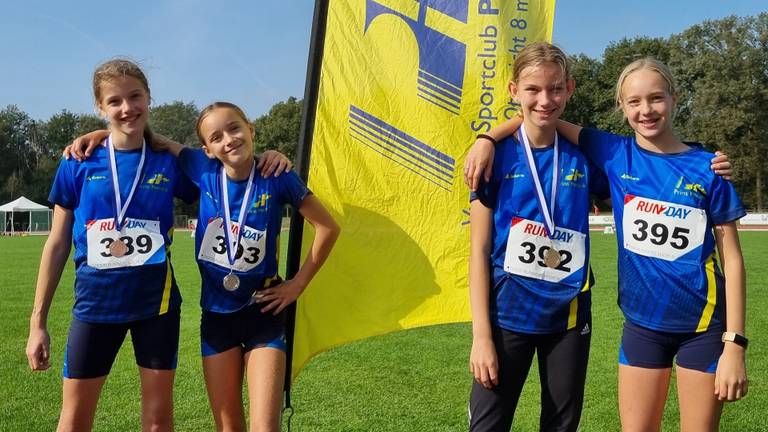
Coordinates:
<point>311,89</point>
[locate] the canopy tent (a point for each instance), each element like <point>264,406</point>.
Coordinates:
<point>39,216</point>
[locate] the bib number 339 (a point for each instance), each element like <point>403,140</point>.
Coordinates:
<point>144,244</point>
<point>661,229</point>
<point>528,244</point>
<point>248,255</point>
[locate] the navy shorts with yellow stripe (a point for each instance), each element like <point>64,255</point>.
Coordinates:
<point>92,347</point>
<point>652,349</point>
<point>247,328</point>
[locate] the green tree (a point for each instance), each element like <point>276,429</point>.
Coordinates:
<point>19,155</point>
<point>723,70</point>
<point>582,106</point>
<point>176,120</point>
<point>279,129</point>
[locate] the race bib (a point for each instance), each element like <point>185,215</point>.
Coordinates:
<point>144,243</point>
<point>528,243</point>
<point>661,229</point>
<point>249,254</point>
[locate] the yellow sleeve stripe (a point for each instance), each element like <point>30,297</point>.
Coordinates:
<point>166,299</point>
<point>709,308</point>
<point>574,306</point>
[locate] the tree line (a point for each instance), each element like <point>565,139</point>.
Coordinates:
<point>721,68</point>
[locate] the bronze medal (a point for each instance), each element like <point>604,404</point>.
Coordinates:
<point>231,282</point>
<point>117,248</point>
<point>552,258</point>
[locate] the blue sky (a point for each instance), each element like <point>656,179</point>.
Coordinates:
<point>252,52</point>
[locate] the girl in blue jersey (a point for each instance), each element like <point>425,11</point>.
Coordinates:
<point>678,304</point>
<point>530,280</point>
<point>242,328</point>
<point>117,210</point>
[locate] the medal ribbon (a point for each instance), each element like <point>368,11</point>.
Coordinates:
<point>120,208</point>
<point>549,218</point>
<point>242,216</point>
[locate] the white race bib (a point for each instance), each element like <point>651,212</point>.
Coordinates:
<point>247,257</point>
<point>143,240</point>
<point>528,243</point>
<point>661,229</point>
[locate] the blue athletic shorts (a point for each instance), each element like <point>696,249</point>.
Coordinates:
<point>653,349</point>
<point>92,347</point>
<point>246,328</point>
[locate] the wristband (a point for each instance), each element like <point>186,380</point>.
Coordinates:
<point>488,137</point>
<point>735,338</point>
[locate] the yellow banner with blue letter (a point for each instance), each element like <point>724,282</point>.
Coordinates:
<point>404,87</point>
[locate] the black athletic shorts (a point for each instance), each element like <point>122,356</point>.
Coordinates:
<point>562,360</point>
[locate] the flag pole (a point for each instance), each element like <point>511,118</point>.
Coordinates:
<point>309,109</point>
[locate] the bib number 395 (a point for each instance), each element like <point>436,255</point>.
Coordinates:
<point>661,229</point>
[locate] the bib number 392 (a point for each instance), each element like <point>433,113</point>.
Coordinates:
<point>661,229</point>
<point>528,244</point>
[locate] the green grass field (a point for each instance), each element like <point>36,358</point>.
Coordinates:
<point>415,380</point>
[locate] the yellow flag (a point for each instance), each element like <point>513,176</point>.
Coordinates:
<point>404,87</point>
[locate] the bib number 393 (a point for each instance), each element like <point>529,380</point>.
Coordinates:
<point>144,244</point>
<point>528,244</point>
<point>661,229</point>
<point>248,255</point>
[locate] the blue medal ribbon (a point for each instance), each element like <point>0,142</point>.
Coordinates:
<point>549,217</point>
<point>242,216</point>
<point>120,208</point>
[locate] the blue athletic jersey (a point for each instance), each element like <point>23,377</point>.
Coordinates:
<point>259,244</point>
<point>531,304</point>
<point>665,206</point>
<point>126,293</point>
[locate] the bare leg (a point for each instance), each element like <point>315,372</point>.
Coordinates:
<point>156,399</point>
<point>266,373</point>
<point>642,394</point>
<point>224,382</point>
<point>79,400</point>
<point>699,408</point>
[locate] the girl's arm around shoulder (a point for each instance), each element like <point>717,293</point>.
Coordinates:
<point>326,233</point>
<point>483,362</point>
<point>731,374</point>
<point>479,160</point>
<point>52,261</point>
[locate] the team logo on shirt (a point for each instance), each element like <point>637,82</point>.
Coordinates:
<point>96,177</point>
<point>574,178</point>
<point>513,175</point>
<point>626,176</point>
<point>156,181</point>
<point>686,189</point>
<point>158,178</point>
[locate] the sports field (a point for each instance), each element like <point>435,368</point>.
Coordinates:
<point>415,380</point>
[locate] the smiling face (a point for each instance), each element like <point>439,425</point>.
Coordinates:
<point>647,103</point>
<point>542,90</point>
<point>124,101</point>
<point>227,136</point>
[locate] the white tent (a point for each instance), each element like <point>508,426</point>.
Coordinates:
<point>23,205</point>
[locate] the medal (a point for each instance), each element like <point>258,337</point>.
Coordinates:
<point>117,248</point>
<point>552,258</point>
<point>552,255</point>
<point>231,282</point>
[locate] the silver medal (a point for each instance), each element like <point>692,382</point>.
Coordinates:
<point>231,282</point>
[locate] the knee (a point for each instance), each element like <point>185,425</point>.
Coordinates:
<point>157,419</point>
